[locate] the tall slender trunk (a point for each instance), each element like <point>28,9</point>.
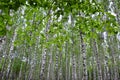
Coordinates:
<point>45,49</point>
<point>43,65</point>
<point>49,65</point>
<point>93,62</point>
<point>60,69</point>
<point>106,69</point>
<point>112,52</point>
<point>31,76</point>
<point>95,49</point>
<point>67,62</point>
<point>11,54</point>
<point>79,68</point>
<point>74,76</point>
<point>106,57</point>
<point>83,50</point>
<point>56,65</point>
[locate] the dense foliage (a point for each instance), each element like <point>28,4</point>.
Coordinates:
<point>60,40</point>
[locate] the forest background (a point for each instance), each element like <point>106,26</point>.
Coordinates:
<point>59,40</point>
